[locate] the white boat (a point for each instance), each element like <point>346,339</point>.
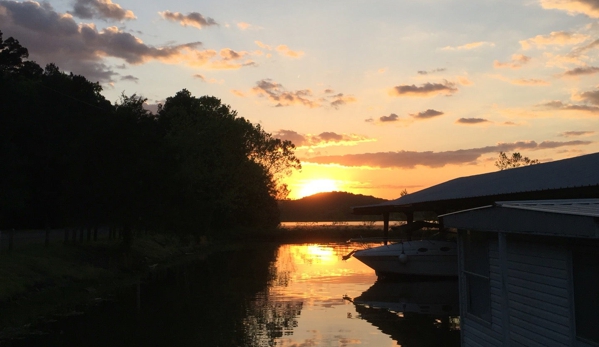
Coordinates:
<point>412,258</point>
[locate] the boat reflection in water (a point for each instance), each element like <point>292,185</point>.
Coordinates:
<point>422,312</point>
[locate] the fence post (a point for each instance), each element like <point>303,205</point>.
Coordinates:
<point>47,240</point>
<point>74,236</point>
<point>95,233</point>
<point>66,236</point>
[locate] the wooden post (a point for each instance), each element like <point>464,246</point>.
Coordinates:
<point>81,235</point>
<point>409,220</point>
<point>66,236</point>
<point>74,236</point>
<point>386,226</point>
<point>441,225</point>
<point>89,234</point>
<point>95,233</point>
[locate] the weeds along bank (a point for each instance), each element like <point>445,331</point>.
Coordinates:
<point>38,280</point>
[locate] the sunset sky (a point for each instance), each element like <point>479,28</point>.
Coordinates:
<point>378,96</point>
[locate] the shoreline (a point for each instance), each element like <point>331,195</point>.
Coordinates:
<point>42,283</point>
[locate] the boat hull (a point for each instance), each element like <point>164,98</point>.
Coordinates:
<point>415,258</point>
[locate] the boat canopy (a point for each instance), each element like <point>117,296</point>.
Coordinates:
<point>573,178</point>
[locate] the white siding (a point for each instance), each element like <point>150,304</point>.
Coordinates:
<point>538,283</point>
<point>538,294</point>
<point>476,332</point>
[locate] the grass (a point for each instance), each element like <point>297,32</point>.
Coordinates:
<point>38,281</point>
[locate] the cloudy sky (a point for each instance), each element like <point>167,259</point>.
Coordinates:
<point>378,96</point>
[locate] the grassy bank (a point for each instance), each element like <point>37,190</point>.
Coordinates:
<point>38,281</point>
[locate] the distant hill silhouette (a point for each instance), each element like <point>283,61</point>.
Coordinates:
<point>332,206</point>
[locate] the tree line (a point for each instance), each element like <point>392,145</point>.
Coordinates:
<point>69,157</point>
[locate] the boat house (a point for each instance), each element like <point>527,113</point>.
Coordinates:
<point>573,178</point>
<point>528,251</point>
<point>529,273</point>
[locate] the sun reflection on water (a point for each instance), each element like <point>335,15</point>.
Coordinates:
<point>310,301</point>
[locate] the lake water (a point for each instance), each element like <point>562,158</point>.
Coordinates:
<point>266,295</point>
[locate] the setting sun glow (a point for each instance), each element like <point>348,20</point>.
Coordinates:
<point>317,186</point>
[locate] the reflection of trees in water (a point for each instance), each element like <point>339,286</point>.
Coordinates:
<point>280,270</point>
<point>270,316</point>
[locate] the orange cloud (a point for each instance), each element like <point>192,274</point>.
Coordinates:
<point>464,81</point>
<point>81,48</point>
<point>424,72</point>
<point>517,61</point>
<point>286,51</point>
<point>468,46</point>
<point>530,82</point>
<point>470,121</point>
<point>390,118</point>
<point>591,97</point>
<point>426,90</point>
<point>193,19</point>
<point>262,45</point>
<point>577,133</point>
<point>561,106</point>
<point>587,7</point>
<point>277,94</point>
<point>207,80</point>
<point>556,38</point>
<point>430,113</point>
<point>325,139</point>
<point>105,9</point>
<point>243,25</point>
<point>584,70</point>
<point>522,81</point>
<point>340,99</point>
<point>282,49</point>
<point>411,159</point>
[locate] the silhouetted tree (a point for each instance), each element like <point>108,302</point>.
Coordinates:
<point>68,157</point>
<point>516,160</point>
<point>228,166</point>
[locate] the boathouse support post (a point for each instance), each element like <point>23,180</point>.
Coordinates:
<point>409,220</point>
<point>385,226</point>
<point>505,305</point>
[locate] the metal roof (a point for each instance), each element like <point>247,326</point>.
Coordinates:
<point>566,218</point>
<point>578,207</point>
<point>577,172</point>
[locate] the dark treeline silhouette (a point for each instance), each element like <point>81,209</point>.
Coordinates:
<point>71,158</point>
<point>332,206</point>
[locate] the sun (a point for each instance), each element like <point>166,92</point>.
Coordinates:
<point>312,187</point>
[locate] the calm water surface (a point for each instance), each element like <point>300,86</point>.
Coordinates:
<point>266,295</point>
